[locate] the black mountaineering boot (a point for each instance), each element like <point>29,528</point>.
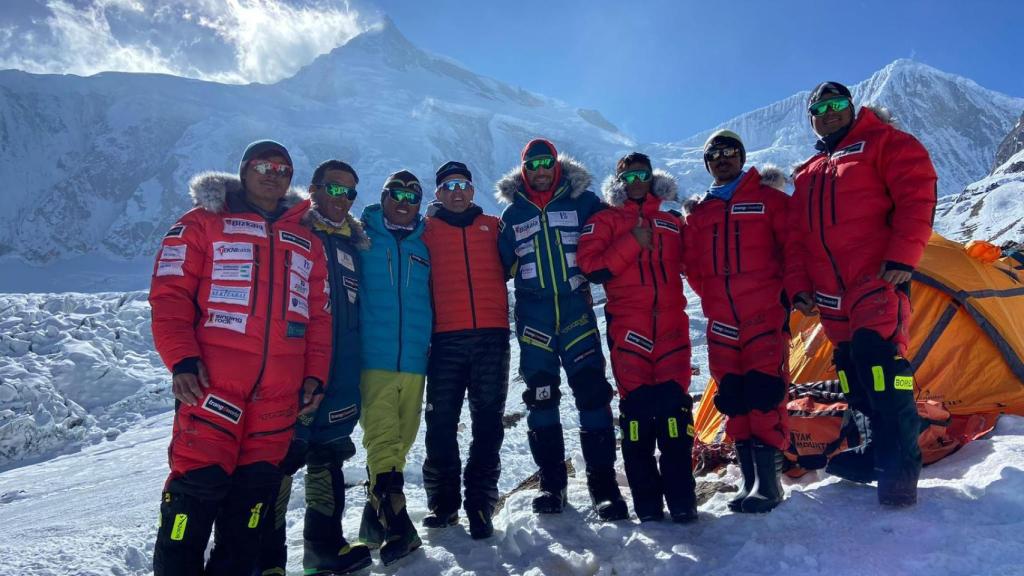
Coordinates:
<point>599,454</point>
<point>548,448</point>
<point>745,455</point>
<point>766,492</point>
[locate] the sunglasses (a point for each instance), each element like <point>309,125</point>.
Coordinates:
<point>336,190</point>
<point>407,196</point>
<point>265,167</point>
<point>538,163</point>
<point>634,175</point>
<point>451,185</point>
<point>833,104</point>
<point>716,153</point>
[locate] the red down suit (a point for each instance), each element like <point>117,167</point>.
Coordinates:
<point>248,296</point>
<point>647,327</point>
<point>734,262</point>
<point>867,204</point>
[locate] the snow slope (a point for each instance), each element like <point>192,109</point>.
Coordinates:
<point>990,209</point>
<point>93,511</point>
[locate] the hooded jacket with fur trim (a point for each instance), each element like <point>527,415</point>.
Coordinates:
<point>245,294</point>
<point>868,203</point>
<point>538,245</point>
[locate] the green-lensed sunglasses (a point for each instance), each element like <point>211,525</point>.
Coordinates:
<point>834,104</point>
<point>336,190</point>
<point>633,175</point>
<point>539,162</point>
<point>407,196</point>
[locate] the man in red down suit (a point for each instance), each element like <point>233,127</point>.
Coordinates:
<point>859,220</point>
<point>734,242</point>
<point>241,317</point>
<point>635,250</point>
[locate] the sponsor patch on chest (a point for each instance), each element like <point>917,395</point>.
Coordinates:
<point>569,238</point>
<point>641,342</point>
<point>223,271</point>
<point>243,226</point>
<point>577,280</point>
<point>232,251</point>
<point>828,301</point>
<point>350,282</point>
<point>296,330</point>
<point>298,284</point>
<point>855,148</point>
<point>345,259</point>
<point>524,248</point>
<point>230,294</point>
<point>170,268</point>
<point>222,408</point>
<point>234,321</point>
<point>295,240</point>
<point>527,229</point>
<point>566,219</point>
<point>173,252</point>
<point>588,229</point>
<point>299,305</point>
<point>724,330</point>
<point>748,208</point>
<point>301,264</point>
<point>528,271</point>
<point>666,225</point>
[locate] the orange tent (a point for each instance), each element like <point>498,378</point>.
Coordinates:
<point>966,338</point>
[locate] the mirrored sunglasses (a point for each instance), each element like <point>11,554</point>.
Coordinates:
<point>538,163</point>
<point>265,167</point>
<point>716,153</point>
<point>833,104</point>
<point>336,190</point>
<point>407,196</point>
<point>451,185</point>
<point>634,175</point>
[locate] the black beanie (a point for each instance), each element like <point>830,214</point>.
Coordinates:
<point>539,147</point>
<point>262,149</point>
<point>828,89</point>
<point>405,180</point>
<point>451,168</point>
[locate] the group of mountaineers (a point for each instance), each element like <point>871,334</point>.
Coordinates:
<point>285,321</point>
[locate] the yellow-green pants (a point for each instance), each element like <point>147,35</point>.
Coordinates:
<point>391,412</point>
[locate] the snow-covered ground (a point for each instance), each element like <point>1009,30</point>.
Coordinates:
<point>78,378</point>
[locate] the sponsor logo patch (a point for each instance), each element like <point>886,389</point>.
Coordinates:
<point>350,282</point>
<point>299,305</point>
<point>170,268</point>
<point>570,238</point>
<point>577,281</point>
<point>419,259</point>
<point>298,284</point>
<point>234,321</point>
<point>567,219</point>
<point>296,330</point>
<point>345,259</point>
<point>588,229</point>
<point>343,414</point>
<point>352,295</point>
<point>232,272</point>
<point>543,393</point>
<point>536,336</point>
<point>232,251</point>
<point>584,354</point>
<point>748,208</point>
<point>904,383</point>
<point>243,226</point>
<point>290,238</point>
<point>230,294</point>
<point>527,229</point>
<point>176,231</point>
<point>527,271</point>
<point>666,225</point>
<point>725,330</point>
<point>173,252</point>
<point>855,148</point>
<point>639,341</point>
<point>524,249</point>
<point>828,301</point>
<point>222,408</point>
<point>302,265</point>
<point>580,322</point>
<point>501,225</point>
<point>570,260</point>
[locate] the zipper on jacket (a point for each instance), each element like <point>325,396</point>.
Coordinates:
<point>714,247</point>
<point>640,266</point>
<point>725,265</point>
<point>255,274</point>
<point>561,252</point>
<point>398,288</point>
<point>469,276</point>
<point>661,257</point>
<point>835,176</point>
<point>654,282</point>
<point>287,282</point>
<point>551,266</point>
<point>391,272</point>
<point>270,310</point>
<point>821,217</point>
<point>810,200</point>
<point>737,228</point>
<point>537,263</point>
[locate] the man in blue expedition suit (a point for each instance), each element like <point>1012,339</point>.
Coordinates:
<point>322,440</point>
<point>549,205</point>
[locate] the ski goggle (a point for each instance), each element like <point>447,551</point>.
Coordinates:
<point>451,185</point>
<point>716,153</point>
<point>634,175</point>
<point>538,163</point>
<point>335,190</point>
<point>833,104</point>
<point>407,196</point>
<point>265,167</point>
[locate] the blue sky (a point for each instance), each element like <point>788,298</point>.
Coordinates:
<point>638,63</point>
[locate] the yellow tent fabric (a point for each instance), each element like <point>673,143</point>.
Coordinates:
<point>966,336</point>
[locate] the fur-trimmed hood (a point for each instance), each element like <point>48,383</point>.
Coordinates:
<point>359,237</point>
<point>771,176</point>
<point>663,186</point>
<point>572,170</point>
<point>209,190</point>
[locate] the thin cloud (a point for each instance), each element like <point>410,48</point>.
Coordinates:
<point>233,41</point>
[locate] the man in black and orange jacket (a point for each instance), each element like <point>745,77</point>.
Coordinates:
<point>859,220</point>
<point>469,353</point>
